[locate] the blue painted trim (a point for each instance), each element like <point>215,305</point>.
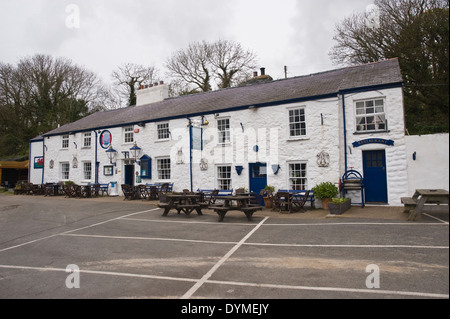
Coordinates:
<point>190,153</point>
<point>345,131</point>
<point>97,164</point>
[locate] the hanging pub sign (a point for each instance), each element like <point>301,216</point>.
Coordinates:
<point>373,141</point>
<point>197,138</point>
<point>105,139</point>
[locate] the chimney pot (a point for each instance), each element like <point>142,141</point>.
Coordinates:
<point>161,82</point>
<point>155,84</point>
<point>255,74</point>
<point>263,71</point>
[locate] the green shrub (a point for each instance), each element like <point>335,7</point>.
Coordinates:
<point>325,190</point>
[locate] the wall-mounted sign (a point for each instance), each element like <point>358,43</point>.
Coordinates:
<point>197,138</point>
<point>39,162</point>
<point>374,141</point>
<point>105,139</point>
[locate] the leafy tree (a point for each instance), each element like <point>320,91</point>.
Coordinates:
<point>415,31</point>
<point>40,93</point>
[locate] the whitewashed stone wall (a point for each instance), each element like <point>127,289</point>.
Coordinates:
<point>35,175</point>
<point>430,169</point>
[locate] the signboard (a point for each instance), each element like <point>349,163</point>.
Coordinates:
<point>374,141</point>
<point>39,162</point>
<point>105,139</point>
<point>197,142</point>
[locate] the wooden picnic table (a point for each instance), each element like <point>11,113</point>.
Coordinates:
<point>426,200</point>
<point>242,204</point>
<point>185,203</point>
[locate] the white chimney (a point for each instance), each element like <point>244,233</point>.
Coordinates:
<point>152,94</point>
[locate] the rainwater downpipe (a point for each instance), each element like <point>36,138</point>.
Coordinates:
<point>345,129</point>
<point>190,152</point>
<point>97,164</point>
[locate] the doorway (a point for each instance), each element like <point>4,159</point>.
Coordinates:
<point>258,178</point>
<point>129,175</point>
<point>375,180</point>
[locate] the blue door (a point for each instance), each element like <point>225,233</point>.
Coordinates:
<point>258,178</point>
<point>129,175</point>
<point>375,180</point>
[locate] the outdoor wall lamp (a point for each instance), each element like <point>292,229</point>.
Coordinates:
<point>135,151</point>
<point>111,154</point>
<point>204,121</point>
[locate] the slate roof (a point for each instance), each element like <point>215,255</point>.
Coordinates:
<point>303,87</point>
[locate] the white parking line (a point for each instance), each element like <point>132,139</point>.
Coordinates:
<point>194,288</point>
<point>153,238</point>
<point>255,244</point>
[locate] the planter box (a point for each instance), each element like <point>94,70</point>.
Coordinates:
<point>268,202</point>
<point>339,209</point>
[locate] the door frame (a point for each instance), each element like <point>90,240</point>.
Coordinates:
<point>377,191</point>
<point>252,180</point>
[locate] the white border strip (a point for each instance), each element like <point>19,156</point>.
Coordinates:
<point>194,288</point>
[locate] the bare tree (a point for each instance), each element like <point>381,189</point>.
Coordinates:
<point>129,77</point>
<point>192,66</point>
<point>231,62</point>
<point>195,68</point>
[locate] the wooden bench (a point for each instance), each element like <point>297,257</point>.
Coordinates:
<point>222,211</point>
<point>410,204</point>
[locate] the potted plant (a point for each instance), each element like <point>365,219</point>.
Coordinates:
<point>325,191</point>
<point>339,205</point>
<point>268,198</point>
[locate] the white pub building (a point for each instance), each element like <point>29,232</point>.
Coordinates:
<point>292,134</point>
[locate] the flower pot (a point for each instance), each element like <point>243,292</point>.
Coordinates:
<point>268,202</point>
<point>325,202</point>
<point>338,209</point>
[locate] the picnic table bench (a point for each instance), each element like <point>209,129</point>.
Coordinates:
<point>185,203</point>
<point>242,205</point>
<point>426,200</point>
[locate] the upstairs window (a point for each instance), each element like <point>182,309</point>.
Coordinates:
<point>370,116</point>
<point>297,122</point>
<point>163,131</point>
<point>128,136</point>
<point>223,131</point>
<point>65,142</point>
<point>87,139</point>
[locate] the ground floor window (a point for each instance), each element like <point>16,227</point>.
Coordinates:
<point>163,166</point>
<point>224,177</point>
<point>297,176</point>
<point>87,170</point>
<point>65,168</point>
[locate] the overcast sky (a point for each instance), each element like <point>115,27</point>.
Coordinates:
<point>102,34</point>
